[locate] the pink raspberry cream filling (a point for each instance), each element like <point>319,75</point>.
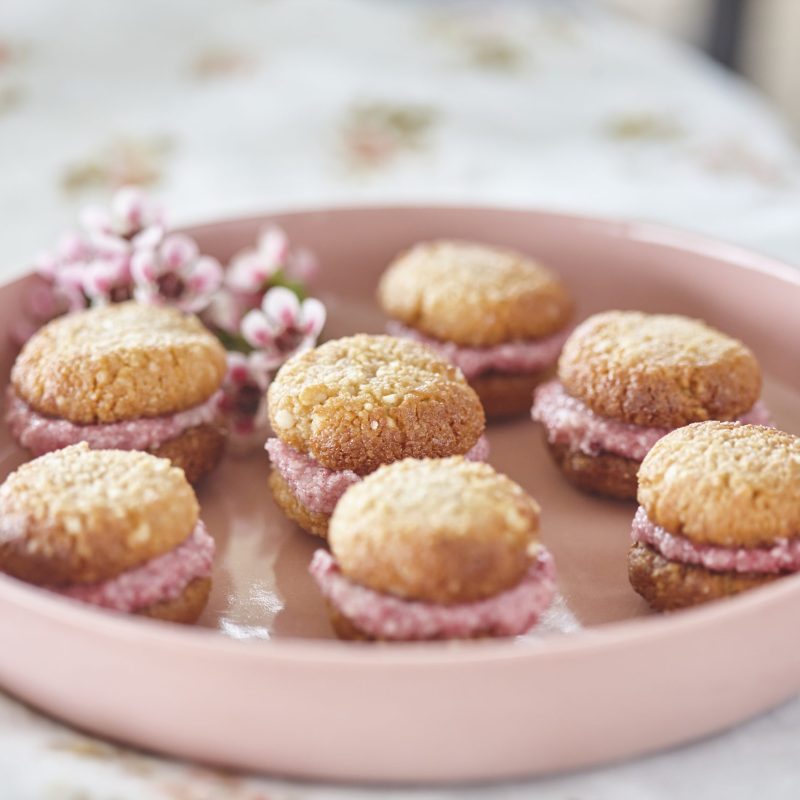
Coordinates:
<point>41,434</point>
<point>517,357</point>
<point>319,488</point>
<point>162,578</point>
<point>385,616</point>
<point>568,421</point>
<point>782,556</point>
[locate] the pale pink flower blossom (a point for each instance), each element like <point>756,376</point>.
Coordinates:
<point>283,326</point>
<point>244,400</point>
<point>175,273</point>
<point>131,211</point>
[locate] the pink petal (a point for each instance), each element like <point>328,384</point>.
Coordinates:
<point>313,316</point>
<point>144,267</point>
<point>128,206</point>
<point>257,329</point>
<point>148,239</point>
<point>177,250</point>
<point>73,247</point>
<point>246,272</point>
<point>302,265</point>
<point>273,247</point>
<point>282,306</point>
<point>205,275</point>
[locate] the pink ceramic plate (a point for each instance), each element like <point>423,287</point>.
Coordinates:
<point>619,683</point>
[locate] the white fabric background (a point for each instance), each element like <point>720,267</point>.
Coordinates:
<point>256,105</point>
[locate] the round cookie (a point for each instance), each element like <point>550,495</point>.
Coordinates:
<point>442,531</point>
<point>82,516</point>
<point>434,549</point>
<point>658,370</point>
<point>719,513</point>
<point>115,528</point>
<point>119,362</point>
<point>724,483</point>
<point>473,294</point>
<point>362,401</point>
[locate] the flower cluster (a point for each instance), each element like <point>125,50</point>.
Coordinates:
<point>257,306</point>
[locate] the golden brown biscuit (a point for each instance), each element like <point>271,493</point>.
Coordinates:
<point>669,585</point>
<point>117,363</point>
<point>724,483</point>
<point>311,521</point>
<point>362,401</point>
<point>438,530</point>
<point>185,608</point>
<point>658,370</point>
<point>503,394</point>
<point>82,516</point>
<point>605,474</point>
<point>473,294</point>
<point>196,451</point>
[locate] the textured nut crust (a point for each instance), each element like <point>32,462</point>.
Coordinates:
<point>362,401</point>
<point>82,516</point>
<point>724,483</point>
<point>472,294</point>
<point>503,394</point>
<point>606,474</point>
<point>440,530</point>
<point>310,521</point>
<point>658,370</point>
<point>668,585</point>
<point>184,609</point>
<point>119,362</point>
<point>196,451</point>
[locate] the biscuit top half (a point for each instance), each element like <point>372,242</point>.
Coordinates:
<point>119,362</point>
<point>82,516</point>
<point>658,370</point>
<point>724,483</point>
<point>439,530</point>
<point>362,401</point>
<point>473,295</point>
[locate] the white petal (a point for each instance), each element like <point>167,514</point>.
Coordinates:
<point>144,267</point>
<point>273,246</point>
<point>205,275</point>
<point>257,329</point>
<point>177,250</point>
<point>282,307</point>
<point>313,316</point>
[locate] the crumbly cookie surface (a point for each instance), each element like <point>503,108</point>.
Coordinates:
<point>82,516</point>
<point>473,294</point>
<point>668,585</point>
<point>659,370</point>
<point>439,530</point>
<point>362,401</point>
<point>119,362</point>
<point>724,483</point>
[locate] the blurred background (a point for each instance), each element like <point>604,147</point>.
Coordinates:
<point>681,111</point>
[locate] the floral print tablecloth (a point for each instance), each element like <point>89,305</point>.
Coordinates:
<point>250,105</point>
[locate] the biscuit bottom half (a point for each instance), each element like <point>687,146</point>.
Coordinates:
<point>606,474</point>
<point>310,521</point>
<point>507,394</point>
<point>184,609</point>
<point>671,585</point>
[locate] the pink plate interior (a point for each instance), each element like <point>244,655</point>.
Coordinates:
<point>260,688</point>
